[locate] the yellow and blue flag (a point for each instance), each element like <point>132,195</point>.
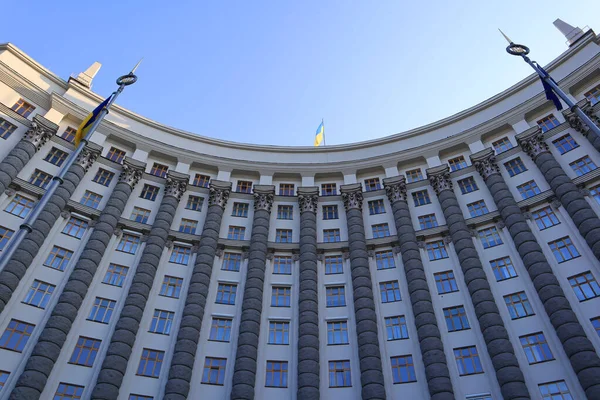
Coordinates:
<point>89,121</point>
<point>320,136</point>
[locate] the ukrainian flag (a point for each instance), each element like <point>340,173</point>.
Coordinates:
<point>320,136</point>
<point>89,121</point>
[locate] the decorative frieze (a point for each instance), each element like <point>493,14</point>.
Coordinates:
<point>308,199</point>
<point>484,162</point>
<point>532,142</point>
<point>439,178</point>
<point>395,188</point>
<point>352,196</point>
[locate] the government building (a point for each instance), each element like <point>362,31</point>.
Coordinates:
<point>458,260</point>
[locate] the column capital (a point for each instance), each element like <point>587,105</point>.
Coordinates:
<point>132,171</point>
<point>263,197</point>
<point>40,131</point>
<point>218,193</point>
<point>308,198</point>
<point>575,122</point>
<point>485,162</point>
<point>532,142</point>
<point>439,178</point>
<point>395,188</point>
<point>88,156</point>
<point>352,196</point>
<point>176,184</point>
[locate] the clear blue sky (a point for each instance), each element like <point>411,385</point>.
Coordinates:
<point>267,71</point>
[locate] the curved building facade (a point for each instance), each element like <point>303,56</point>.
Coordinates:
<point>459,260</point>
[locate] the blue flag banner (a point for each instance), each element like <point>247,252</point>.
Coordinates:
<point>550,95</point>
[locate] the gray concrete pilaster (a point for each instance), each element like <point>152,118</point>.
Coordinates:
<point>577,123</point>
<point>244,372</point>
<point>371,371</point>
<point>182,363</point>
<point>308,301</point>
<point>569,195</point>
<point>121,344</point>
<point>499,347</point>
<point>432,348</point>
<point>577,346</point>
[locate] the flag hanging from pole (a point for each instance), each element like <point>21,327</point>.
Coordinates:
<point>320,136</point>
<point>550,95</point>
<point>87,123</point>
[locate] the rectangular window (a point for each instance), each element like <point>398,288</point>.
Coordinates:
<point>421,198</point>
<point>502,145</point>
<point>103,177</point>
<point>331,235</point>
<point>279,332</point>
<point>427,221</point>
<point>403,369</point>
<point>396,327</point>
<point>282,265</point>
<point>467,361</point>
<point>477,208</point>
<point>336,296</point>
<point>457,163</point>
<point>6,128</point>
<point>563,249</point>
<point>445,282</point>
<point>467,185</point>
<point>5,235</point>
<point>595,193</point>
<point>75,227</point>
<point>159,170</point>
<point>180,255</point>
<point>226,293</point>
<point>201,180</point>
<point>489,237</point>
<point>236,232</point>
<point>91,199</point>
<point>545,218</point>
<point>194,203</point>
<point>244,187</point>
<point>85,351</point>
<point>536,348</point>
<point>596,324</point>
<point>116,155</point>
<point>286,189</point>
<point>16,335</point>
<point>139,397</point>
<point>503,268</point>
<point>285,212</point>
<point>240,210</point>
<point>39,294</point>
<point>548,123</point>
<point>456,319</point>
<point>585,286</point>
<point>328,189</point>
<point>214,371</point>
<point>339,374</point>
<point>281,296</point>
<point>162,321</point>
<point>380,230</point>
<point>188,226</point>
<point>57,157</point>
<point>277,372</point>
<point>40,179</point>
<point>334,265</point>
<point>414,175</point>
<point>220,329</point>
<point>593,95</point>
<point>115,275</point>
<point>555,391</point>
<point>436,250</point>
<point>58,258</point>
<point>128,243</point>
<point>337,332</point>
<point>385,260</point>
<point>23,108</point>
<point>528,189</point>
<point>390,291</point>
<point>583,165</point>
<point>515,166</point>
<point>140,215</point>
<point>171,287</point>
<point>150,363</point>
<point>372,184</point>
<point>283,236</point>
<point>102,310</point>
<point>376,207</point>
<point>565,144</point>
<point>231,262</point>
<point>149,192</point>
<point>330,212</point>
<point>68,391</point>
<point>518,305</point>
<point>69,134</point>
<point>3,378</point>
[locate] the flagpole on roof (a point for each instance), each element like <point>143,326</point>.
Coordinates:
<point>550,86</point>
<point>27,225</point>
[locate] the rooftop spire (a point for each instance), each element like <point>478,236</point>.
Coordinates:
<point>571,33</point>
<point>85,78</point>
